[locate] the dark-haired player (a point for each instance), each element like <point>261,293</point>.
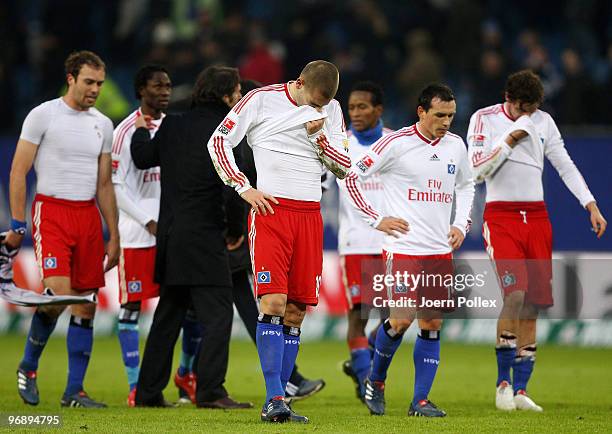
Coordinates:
<point>69,143</point>
<point>360,245</point>
<point>425,170</point>
<point>507,146</point>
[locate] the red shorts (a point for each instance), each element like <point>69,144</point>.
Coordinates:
<point>357,273</point>
<point>136,270</point>
<point>287,250</point>
<point>426,279</point>
<point>68,240</point>
<point>518,238</point>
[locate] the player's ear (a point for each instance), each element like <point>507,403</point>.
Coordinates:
<point>420,111</point>
<point>378,109</point>
<point>70,79</point>
<point>226,99</point>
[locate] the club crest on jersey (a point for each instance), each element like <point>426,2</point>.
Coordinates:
<point>451,169</point>
<point>115,166</point>
<point>134,286</point>
<point>508,279</point>
<point>226,126</point>
<point>354,291</point>
<point>264,277</point>
<point>365,163</point>
<point>50,263</point>
<point>479,140</point>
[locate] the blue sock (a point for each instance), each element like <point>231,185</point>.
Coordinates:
<point>505,352</point>
<point>192,335</point>
<point>41,328</point>
<point>523,367</point>
<point>270,347</point>
<point>387,343</point>
<point>290,352</point>
<point>128,340</point>
<point>80,343</point>
<point>372,342</point>
<point>426,360</point>
<point>361,360</point>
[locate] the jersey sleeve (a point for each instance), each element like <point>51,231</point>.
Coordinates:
<point>228,134</point>
<point>464,193</point>
<point>557,154</point>
<point>485,156</point>
<point>120,154</point>
<point>108,135</point>
<point>35,124</point>
<point>331,143</point>
<point>377,159</point>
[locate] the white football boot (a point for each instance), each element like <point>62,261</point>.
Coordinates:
<point>524,402</point>
<point>504,397</point>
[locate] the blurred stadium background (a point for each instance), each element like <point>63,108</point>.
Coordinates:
<point>472,45</point>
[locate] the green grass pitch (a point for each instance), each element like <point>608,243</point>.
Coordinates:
<point>574,385</point>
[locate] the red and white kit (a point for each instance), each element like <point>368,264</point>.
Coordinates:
<point>359,243</point>
<point>138,194</point>
<point>517,232</point>
<point>289,164</point>
<point>67,229</point>
<point>420,176</point>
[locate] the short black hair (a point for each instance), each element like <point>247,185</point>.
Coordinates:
<point>525,86</point>
<point>213,83</point>
<point>434,90</point>
<point>248,85</point>
<point>145,74</point>
<point>373,88</point>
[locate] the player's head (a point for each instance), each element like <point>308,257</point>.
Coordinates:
<point>436,109</point>
<point>85,73</point>
<point>524,92</point>
<point>152,86</point>
<point>365,105</point>
<point>317,84</point>
<point>220,84</point>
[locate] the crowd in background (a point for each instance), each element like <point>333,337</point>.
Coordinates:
<point>404,44</point>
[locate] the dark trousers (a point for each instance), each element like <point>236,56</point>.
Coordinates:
<point>213,307</point>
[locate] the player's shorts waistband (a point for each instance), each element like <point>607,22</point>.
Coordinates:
<point>297,205</point>
<point>74,203</point>
<point>516,209</point>
<point>399,256</point>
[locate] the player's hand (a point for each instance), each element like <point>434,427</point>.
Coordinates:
<point>112,253</point>
<point>598,222</point>
<point>152,227</point>
<point>314,126</point>
<point>259,201</point>
<point>12,239</point>
<point>234,243</point>
<point>516,136</point>
<point>144,121</point>
<point>393,225</point>
<point>455,238</point>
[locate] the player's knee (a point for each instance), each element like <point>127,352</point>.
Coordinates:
<point>400,325</point>
<point>273,304</point>
<point>513,302</point>
<point>294,314</point>
<point>86,311</point>
<point>356,323</point>
<point>131,305</point>
<point>52,312</point>
<point>529,311</point>
<point>430,324</point>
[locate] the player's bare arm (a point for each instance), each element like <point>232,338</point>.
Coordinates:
<point>259,201</point>
<point>105,194</point>
<point>22,163</point>
<point>393,226</point>
<point>455,238</point>
<point>598,222</point>
<point>314,126</point>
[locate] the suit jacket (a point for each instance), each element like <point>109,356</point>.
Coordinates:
<point>191,246</point>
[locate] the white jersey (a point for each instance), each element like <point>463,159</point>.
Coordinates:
<point>420,178</point>
<point>355,236</point>
<point>69,145</point>
<point>289,163</point>
<point>515,174</point>
<point>138,191</point>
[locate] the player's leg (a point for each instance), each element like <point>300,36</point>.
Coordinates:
<point>127,328</point>
<point>185,378</point>
<point>426,356</point>
<point>526,355</point>
<point>505,347</point>
<point>358,367</point>
<point>79,342</point>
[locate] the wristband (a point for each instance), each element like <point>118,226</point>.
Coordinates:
<point>18,226</point>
